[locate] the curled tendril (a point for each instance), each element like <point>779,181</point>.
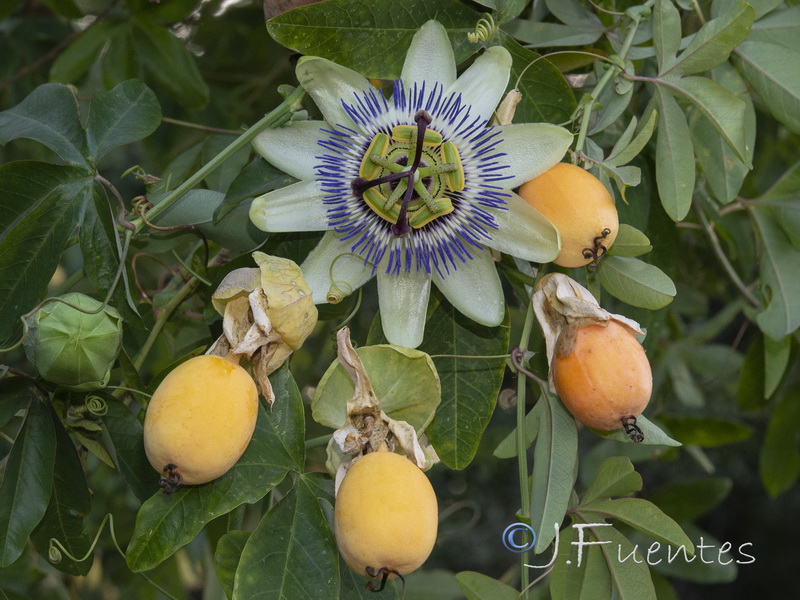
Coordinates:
<point>337,293</point>
<point>56,551</point>
<point>340,289</point>
<point>484,30</point>
<point>95,405</point>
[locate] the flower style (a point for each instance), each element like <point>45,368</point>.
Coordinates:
<point>413,189</point>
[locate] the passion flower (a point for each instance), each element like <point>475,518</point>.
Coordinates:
<point>413,189</point>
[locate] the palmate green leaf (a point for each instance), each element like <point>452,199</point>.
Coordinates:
<point>553,476</point>
<point>291,555</point>
<point>666,33</point>
<point>630,242</point>
<point>49,115</point>
<point>688,500</point>
<point>127,437</point>
<point>630,574</point>
<point>40,206</point>
<point>675,172</point>
<point>469,385</point>
<point>653,434</point>
<point>771,70</point>
<point>126,114</point>
<point>167,60</point>
<point>615,477</point>
<point>706,432</point>
<point>724,109</point>
<point>641,515</point>
<point>779,27</point>
<point>546,95</point>
<point>779,281</point>
<point>371,36</point>
<point>724,171</point>
<point>227,557</point>
<point>779,462</point>
<point>70,502</point>
<point>477,586</point>
<point>715,40</point>
<point>587,579</point>
<point>27,480</point>
<point>636,282</point>
<point>167,522</point>
<point>235,231</point>
<point>405,382</point>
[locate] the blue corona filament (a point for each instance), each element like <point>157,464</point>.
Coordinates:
<point>446,241</point>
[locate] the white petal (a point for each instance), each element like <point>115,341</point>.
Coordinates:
<point>474,289</point>
<point>292,148</point>
<point>328,84</point>
<point>531,149</point>
<point>331,268</point>
<point>484,82</point>
<point>524,232</point>
<point>296,207</point>
<point>430,58</point>
<point>403,301</point>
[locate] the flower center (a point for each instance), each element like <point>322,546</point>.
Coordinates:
<point>404,177</point>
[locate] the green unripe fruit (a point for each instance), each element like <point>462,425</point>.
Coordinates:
<point>72,348</point>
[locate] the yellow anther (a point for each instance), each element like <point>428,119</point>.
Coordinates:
<point>454,178</point>
<point>408,134</point>
<point>424,215</point>
<point>378,147</point>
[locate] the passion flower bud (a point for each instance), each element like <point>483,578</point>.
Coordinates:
<point>74,347</point>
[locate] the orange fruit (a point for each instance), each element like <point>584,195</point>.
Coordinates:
<point>602,374</point>
<point>581,209</point>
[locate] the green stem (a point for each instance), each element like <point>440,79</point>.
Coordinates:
<point>522,445</point>
<point>271,120</point>
<point>317,441</point>
<point>162,319</point>
<point>608,76</point>
<point>708,227</point>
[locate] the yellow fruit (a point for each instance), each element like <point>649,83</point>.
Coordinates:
<point>386,516</point>
<point>200,419</point>
<point>602,374</point>
<point>581,209</point>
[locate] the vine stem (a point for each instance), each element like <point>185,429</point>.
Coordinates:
<point>607,77</point>
<point>270,120</point>
<point>708,227</point>
<point>522,439</point>
<point>161,320</point>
